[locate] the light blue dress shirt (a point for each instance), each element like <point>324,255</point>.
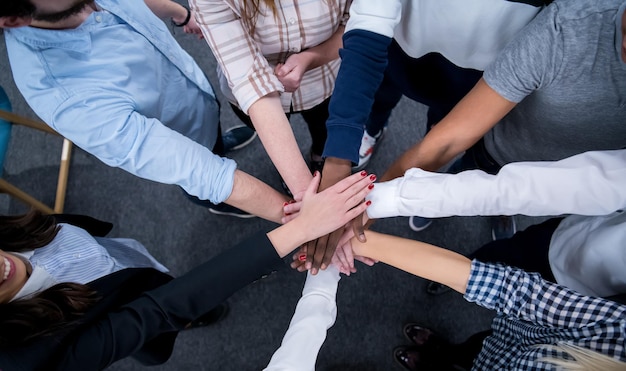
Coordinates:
<point>120,87</point>
<point>75,256</point>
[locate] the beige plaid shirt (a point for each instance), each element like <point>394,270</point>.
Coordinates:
<point>246,61</point>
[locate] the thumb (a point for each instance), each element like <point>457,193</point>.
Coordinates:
<point>314,184</point>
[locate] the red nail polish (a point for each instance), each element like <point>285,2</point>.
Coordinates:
<point>363,173</point>
<point>368,202</point>
<point>372,177</point>
<point>285,203</point>
<point>287,214</point>
<point>302,257</point>
<point>370,186</point>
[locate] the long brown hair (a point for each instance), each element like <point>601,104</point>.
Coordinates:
<point>20,233</point>
<point>252,9</point>
<point>58,307</point>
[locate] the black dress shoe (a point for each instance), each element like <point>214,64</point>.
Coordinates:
<point>213,316</point>
<point>436,288</point>
<point>413,358</point>
<point>408,357</point>
<point>423,338</point>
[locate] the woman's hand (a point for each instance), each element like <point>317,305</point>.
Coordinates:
<point>321,213</point>
<point>290,73</point>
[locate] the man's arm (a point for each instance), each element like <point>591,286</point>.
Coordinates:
<point>590,183</point>
<point>254,196</point>
<point>479,111</point>
<point>167,9</point>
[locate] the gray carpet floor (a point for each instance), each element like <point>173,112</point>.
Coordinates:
<point>373,304</point>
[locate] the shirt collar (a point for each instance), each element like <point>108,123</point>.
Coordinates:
<point>38,281</point>
<point>77,39</point>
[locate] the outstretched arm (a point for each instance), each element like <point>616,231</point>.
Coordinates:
<point>170,307</point>
<point>507,290</point>
<point>418,258</point>
<point>315,314</point>
<point>479,111</point>
<point>590,183</point>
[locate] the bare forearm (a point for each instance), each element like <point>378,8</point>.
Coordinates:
<point>326,51</point>
<point>167,9</point>
<point>277,137</point>
<point>335,169</point>
<point>256,197</point>
<point>418,258</point>
<point>479,111</point>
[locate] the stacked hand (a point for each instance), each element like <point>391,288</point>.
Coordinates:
<point>342,257</point>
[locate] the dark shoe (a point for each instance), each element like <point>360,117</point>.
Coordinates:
<point>424,338</point>
<point>502,227</point>
<point>408,357</point>
<point>213,316</point>
<point>413,358</point>
<point>225,209</point>
<point>237,137</point>
<point>436,289</point>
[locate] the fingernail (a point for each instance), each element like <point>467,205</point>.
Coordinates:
<point>302,257</point>
<point>370,186</point>
<point>287,214</point>
<point>372,177</point>
<point>363,173</point>
<point>316,173</point>
<point>368,203</point>
<point>285,203</point>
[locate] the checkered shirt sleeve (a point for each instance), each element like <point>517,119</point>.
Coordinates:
<point>532,312</point>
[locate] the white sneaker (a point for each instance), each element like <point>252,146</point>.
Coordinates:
<point>368,144</point>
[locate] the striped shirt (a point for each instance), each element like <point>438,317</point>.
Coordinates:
<point>246,58</point>
<point>532,312</point>
<point>75,256</point>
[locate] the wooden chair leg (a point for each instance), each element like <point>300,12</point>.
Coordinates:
<point>64,168</point>
<point>6,187</point>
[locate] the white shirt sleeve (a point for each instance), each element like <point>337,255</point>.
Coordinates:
<point>315,313</point>
<point>380,17</point>
<point>591,183</point>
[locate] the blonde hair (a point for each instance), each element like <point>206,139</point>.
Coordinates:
<point>584,359</point>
